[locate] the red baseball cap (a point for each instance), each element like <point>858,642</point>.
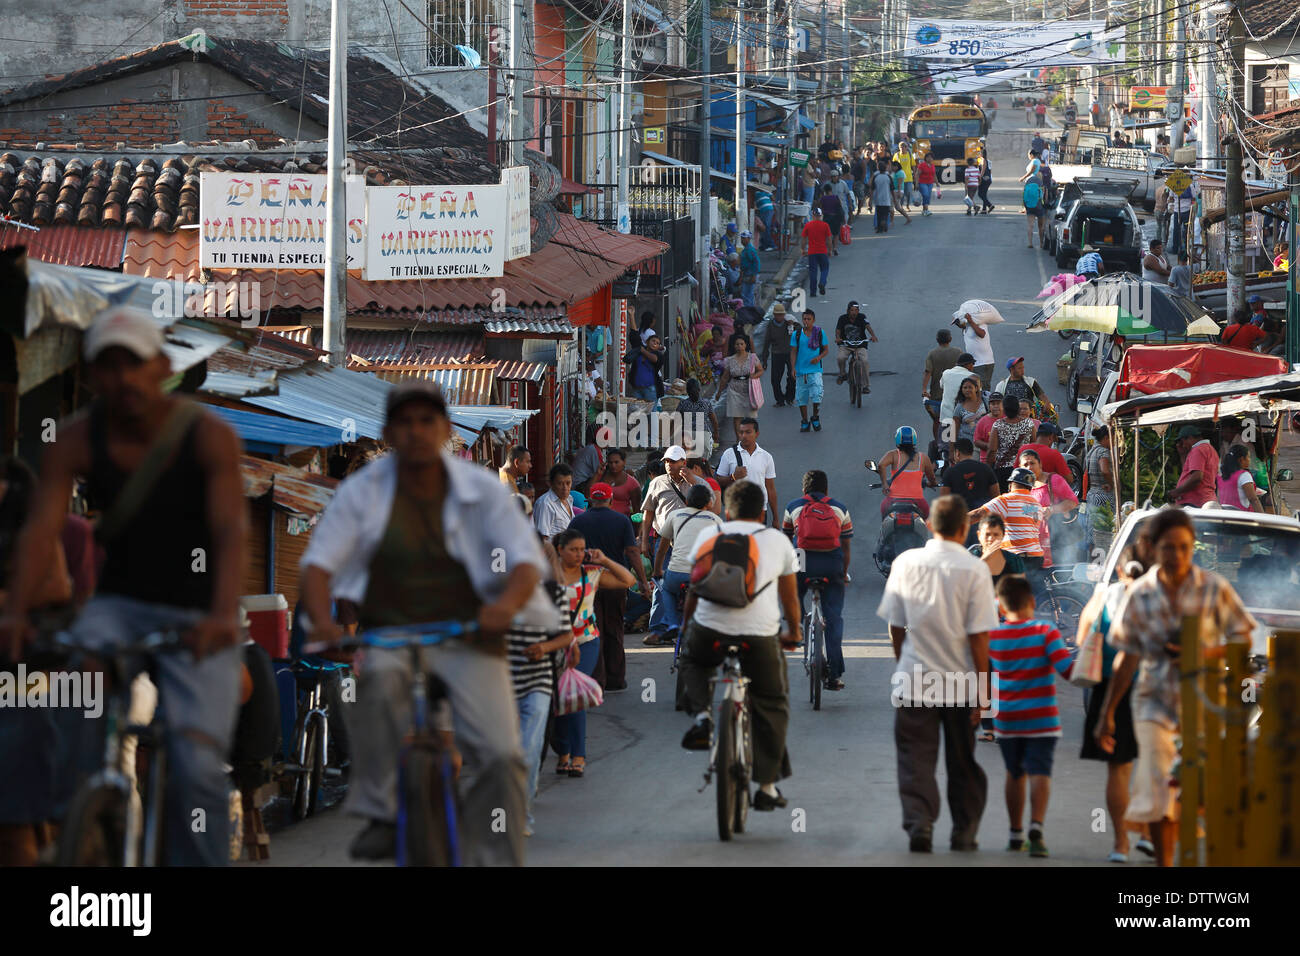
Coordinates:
<point>601,491</point>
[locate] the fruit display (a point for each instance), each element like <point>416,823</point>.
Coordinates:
<point>1209,278</point>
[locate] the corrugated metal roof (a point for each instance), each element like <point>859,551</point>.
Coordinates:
<point>275,430</point>
<point>68,245</point>
<point>330,396</point>
<point>461,384</point>
<point>293,489</point>
<point>400,348</point>
<point>235,385</point>
<point>556,327</point>
<point>511,371</point>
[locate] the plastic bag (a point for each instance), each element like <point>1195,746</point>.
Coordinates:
<point>982,312</point>
<point>574,690</point>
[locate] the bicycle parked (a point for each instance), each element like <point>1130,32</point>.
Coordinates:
<point>731,743</point>
<point>426,792</point>
<point>312,751</point>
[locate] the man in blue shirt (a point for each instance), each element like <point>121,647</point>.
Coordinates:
<point>766,210</point>
<point>807,347</point>
<point>825,527</point>
<point>1089,263</point>
<point>1033,200</point>
<point>750,266</point>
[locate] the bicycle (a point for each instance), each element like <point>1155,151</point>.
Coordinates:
<point>104,826</point>
<point>311,738</point>
<point>426,793</point>
<point>1065,601</point>
<point>731,743</point>
<point>855,375</point>
<point>814,648</point>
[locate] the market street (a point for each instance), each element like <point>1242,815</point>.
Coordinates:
<point>638,803</point>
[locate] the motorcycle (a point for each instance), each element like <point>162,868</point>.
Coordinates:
<point>902,529</point>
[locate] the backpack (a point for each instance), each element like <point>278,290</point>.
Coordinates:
<point>725,570</point>
<point>818,526</point>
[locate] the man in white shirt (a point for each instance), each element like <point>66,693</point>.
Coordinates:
<point>951,383</point>
<point>746,461</point>
<point>979,343</point>
<point>758,625</point>
<point>554,510</point>
<point>672,568</point>
<point>664,494</point>
<point>940,607</point>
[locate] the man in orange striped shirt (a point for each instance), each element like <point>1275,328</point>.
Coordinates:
<point>1021,513</point>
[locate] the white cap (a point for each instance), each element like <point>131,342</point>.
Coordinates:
<point>132,329</point>
<point>675,453</point>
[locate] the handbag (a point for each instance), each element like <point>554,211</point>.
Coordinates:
<point>1088,661</point>
<point>574,690</point>
<point>755,391</point>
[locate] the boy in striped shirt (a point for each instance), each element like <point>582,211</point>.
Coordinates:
<point>1023,653</point>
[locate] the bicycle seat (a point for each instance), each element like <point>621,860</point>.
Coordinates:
<point>731,646</point>
<point>818,582</point>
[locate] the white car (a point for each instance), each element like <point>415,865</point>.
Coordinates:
<point>1258,554</point>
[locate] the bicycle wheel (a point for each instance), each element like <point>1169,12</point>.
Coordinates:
<point>819,661</point>
<point>426,819</point>
<point>1066,611</point>
<point>744,766</point>
<point>306,785</point>
<point>94,833</point>
<point>723,769</point>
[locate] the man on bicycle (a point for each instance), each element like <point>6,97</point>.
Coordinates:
<point>164,476</point>
<point>710,626</point>
<point>854,327</point>
<point>419,537</point>
<point>820,528</point>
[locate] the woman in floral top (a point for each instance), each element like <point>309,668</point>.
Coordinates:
<point>583,572</point>
<point>1008,434</point>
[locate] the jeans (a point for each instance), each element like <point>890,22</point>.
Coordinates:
<point>984,194</point>
<point>658,600</point>
<point>1177,231</point>
<point>831,566</point>
<point>674,581</point>
<point>486,724</point>
<point>748,288</point>
<point>645,392</point>
<point>765,216</point>
<point>782,377</point>
<point>883,215</point>
<point>200,702</point>
<point>808,194</point>
<point>611,666</point>
<point>534,708</point>
<point>819,265</point>
<point>907,192</point>
<point>571,729</point>
<point>927,190</point>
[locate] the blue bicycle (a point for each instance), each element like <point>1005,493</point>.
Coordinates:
<point>426,809</point>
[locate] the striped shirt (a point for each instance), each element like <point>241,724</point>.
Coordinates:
<point>791,519</point>
<point>1023,655</point>
<point>1021,513</point>
<point>529,676</point>
<point>972,175</point>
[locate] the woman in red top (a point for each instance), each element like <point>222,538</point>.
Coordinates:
<point>925,180</point>
<point>627,490</point>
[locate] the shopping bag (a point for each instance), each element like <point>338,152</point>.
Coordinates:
<point>756,392</point>
<point>938,193</point>
<point>574,690</point>
<point>846,234</point>
<point>1087,662</point>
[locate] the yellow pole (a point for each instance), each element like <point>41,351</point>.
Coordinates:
<point>1261,821</point>
<point>1189,660</point>
<point>1284,697</point>
<point>1234,779</point>
<point>1211,680</point>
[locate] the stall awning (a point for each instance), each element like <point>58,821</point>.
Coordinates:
<point>1267,393</point>
<point>273,431</point>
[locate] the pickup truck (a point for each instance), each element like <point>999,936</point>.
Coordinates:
<point>1095,161</point>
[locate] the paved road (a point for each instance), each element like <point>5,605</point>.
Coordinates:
<point>638,803</point>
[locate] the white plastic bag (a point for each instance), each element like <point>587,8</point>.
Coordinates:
<point>982,312</point>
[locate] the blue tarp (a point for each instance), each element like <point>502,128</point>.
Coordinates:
<point>806,123</point>
<point>272,430</point>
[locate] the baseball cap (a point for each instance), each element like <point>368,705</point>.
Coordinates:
<point>1022,476</point>
<point>1012,361</point>
<point>413,389</point>
<point>1049,428</point>
<point>995,395</point>
<point>1253,299</point>
<point>746,235</point>
<point>1188,431</point>
<point>601,491</point>
<point>731,227</point>
<point>131,329</point>
<point>675,453</point>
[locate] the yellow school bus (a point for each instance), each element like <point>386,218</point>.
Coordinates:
<point>952,132</point>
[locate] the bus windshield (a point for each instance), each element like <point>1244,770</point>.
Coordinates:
<point>947,129</point>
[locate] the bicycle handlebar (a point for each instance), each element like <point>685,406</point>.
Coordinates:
<point>152,643</point>
<point>399,635</point>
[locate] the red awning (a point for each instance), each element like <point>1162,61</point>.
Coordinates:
<point>68,245</point>
<point>1150,369</point>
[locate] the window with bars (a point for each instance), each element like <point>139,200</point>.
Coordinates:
<point>455,23</point>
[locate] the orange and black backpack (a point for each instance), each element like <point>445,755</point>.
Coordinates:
<point>726,568</point>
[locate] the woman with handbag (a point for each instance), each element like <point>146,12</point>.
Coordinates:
<point>582,571</point>
<point>741,377</point>
<point>1094,624</point>
<point>1058,500</point>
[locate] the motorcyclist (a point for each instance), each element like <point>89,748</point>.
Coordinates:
<point>904,472</point>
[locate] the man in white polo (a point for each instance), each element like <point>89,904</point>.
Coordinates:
<point>746,461</point>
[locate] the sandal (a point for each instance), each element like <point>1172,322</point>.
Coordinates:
<point>563,768</point>
<point>987,735</point>
<point>576,770</point>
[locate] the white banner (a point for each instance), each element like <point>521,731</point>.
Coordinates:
<point>520,241</point>
<point>953,78</point>
<point>996,44</point>
<point>272,220</point>
<point>435,232</point>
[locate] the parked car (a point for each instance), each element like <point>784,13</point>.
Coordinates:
<point>1258,554</point>
<point>1096,213</point>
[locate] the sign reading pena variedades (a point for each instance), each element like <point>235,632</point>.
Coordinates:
<point>436,232</point>
<point>273,220</point>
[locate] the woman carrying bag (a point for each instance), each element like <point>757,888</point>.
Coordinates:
<point>742,378</point>
<point>582,571</point>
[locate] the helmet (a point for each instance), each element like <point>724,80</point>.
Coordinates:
<point>905,436</point>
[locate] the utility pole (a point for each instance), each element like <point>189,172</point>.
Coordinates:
<point>1180,83</point>
<point>768,37</point>
<point>706,157</point>
<point>742,193</point>
<point>623,213</point>
<point>515,118</point>
<point>825,48</point>
<point>846,71</point>
<point>792,87</point>
<point>1208,135</point>
<point>335,311</point>
<point>1235,205</point>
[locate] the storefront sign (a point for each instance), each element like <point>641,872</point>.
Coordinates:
<point>799,157</point>
<point>273,220</point>
<point>654,135</point>
<point>436,232</point>
<point>520,242</point>
<point>1147,97</point>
